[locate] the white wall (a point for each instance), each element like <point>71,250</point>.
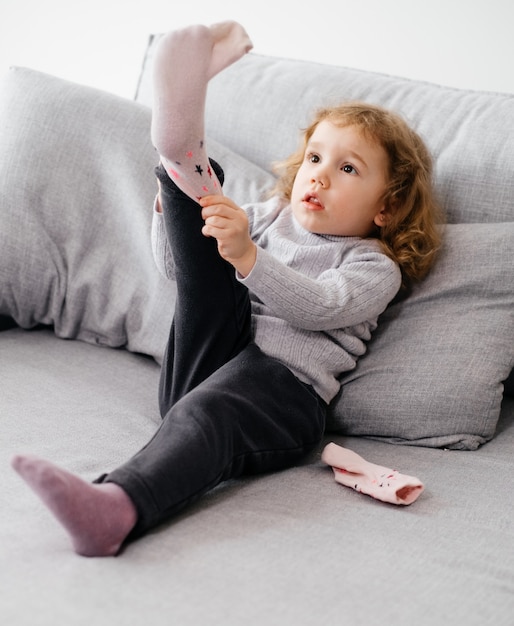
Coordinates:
<point>462,43</point>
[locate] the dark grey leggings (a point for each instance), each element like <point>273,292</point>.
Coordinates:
<point>227,408</point>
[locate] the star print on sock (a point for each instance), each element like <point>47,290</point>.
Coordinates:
<point>199,170</point>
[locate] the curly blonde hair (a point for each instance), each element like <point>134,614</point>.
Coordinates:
<point>412,234</point>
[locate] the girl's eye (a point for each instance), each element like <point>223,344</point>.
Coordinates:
<point>313,158</point>
<point>349,169</point>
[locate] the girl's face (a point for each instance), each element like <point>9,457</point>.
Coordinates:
<point>338,188</point>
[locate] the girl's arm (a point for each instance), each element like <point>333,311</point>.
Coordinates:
<point>357,291</point>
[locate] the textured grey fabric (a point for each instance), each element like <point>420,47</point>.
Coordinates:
<point>76,200</point>
<point>434,369</point>
<point>289,549</point>
<point>470,134</point>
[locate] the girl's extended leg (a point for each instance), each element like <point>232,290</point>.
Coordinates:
<point>251,416</point>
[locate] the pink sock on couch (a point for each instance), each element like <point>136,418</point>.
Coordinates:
<point>376,481</point>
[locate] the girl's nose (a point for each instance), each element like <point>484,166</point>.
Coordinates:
<point>320,178</point>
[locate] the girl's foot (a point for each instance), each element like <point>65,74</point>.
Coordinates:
<point>98,518</point>
<point>185,61</point>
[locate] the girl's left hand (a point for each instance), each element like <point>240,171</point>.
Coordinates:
<point>228,224</point>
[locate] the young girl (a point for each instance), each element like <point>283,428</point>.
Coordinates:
<point>274,302</point>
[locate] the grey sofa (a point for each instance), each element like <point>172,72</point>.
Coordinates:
<point>84,317</point>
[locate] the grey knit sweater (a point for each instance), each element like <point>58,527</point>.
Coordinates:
<point>315,298</point>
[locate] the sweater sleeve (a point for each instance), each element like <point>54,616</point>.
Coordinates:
<point>160,246</point>
<point>358,290</point>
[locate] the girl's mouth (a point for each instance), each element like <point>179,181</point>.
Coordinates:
<point>312,202</point>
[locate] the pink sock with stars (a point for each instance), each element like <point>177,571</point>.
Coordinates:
<point>376,481</point>
<point>185,61</point>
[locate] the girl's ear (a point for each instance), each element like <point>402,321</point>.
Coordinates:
<point>381,218</point>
